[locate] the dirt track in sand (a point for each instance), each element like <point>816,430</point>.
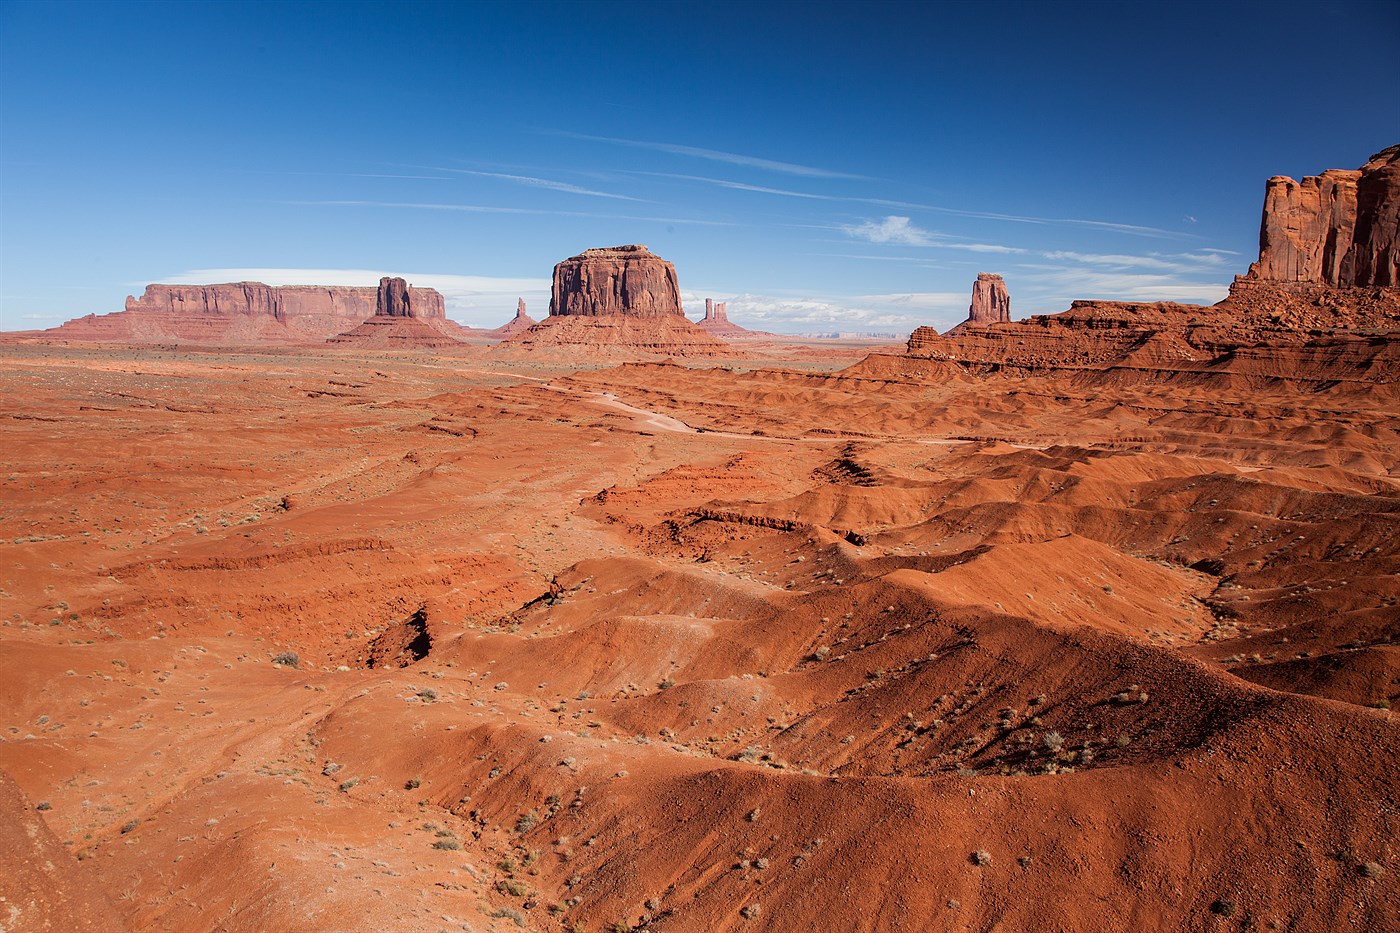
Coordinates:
<point>693,647</point>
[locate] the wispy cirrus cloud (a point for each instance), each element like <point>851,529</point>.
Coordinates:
<point>715,155</point>
<point>1169,262</point>
<point>742,186</point>
<point>534,182</point>
<point>485,209</point>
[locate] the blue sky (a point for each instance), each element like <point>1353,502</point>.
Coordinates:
<point>820,166</point>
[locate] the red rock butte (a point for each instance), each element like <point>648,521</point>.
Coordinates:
<point>716,321</point>
<point>619,299</point>
<point>616,280</point>
<point>399,322</point>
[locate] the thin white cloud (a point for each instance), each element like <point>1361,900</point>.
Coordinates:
<point>481,209</point>
<point>423,206</point>
<point>943,300</point>
<point>535,182</point>
<point>897,230</point>
<point>741,186</point>
<point>714,155</point>
<point>1174,262</point>
<point>1052,287</point>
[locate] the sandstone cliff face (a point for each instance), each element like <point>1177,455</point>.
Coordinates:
<point>1339,228</point>
<point>615,280</point>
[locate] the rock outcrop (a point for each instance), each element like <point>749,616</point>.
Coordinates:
<point>615,280</point>
<point>241,313</point>
<point>398,323</point>
<point>393,300</point>
<point>1339,228</point>
<point>619,300</point>
<point>521,322</point>
<point>990,300</point>
<point>991,303</point>
<point>716,321</point>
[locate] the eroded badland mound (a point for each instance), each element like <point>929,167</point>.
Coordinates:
<point>1083,623</point>
<point>619,299</point>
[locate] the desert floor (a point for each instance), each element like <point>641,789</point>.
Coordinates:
<point>331,640</point>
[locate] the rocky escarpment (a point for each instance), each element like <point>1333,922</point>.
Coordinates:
<point>1339,228</point>
<point>615,280</point>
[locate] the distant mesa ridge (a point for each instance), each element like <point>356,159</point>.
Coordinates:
<point>1340,228</point>
<point>281,302</point>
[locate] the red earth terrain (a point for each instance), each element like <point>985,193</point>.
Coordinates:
<point>473,638</point>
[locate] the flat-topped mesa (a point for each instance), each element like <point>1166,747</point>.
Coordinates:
<point>283,302</point>
<point>628,280</point>
<point>1340,228</point>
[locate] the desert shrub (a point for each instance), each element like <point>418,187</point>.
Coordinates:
<point>447,845</point>
<point>527,822</point>
<point>513,887</point>
<point>981,857</point>
<point>287,659</point>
